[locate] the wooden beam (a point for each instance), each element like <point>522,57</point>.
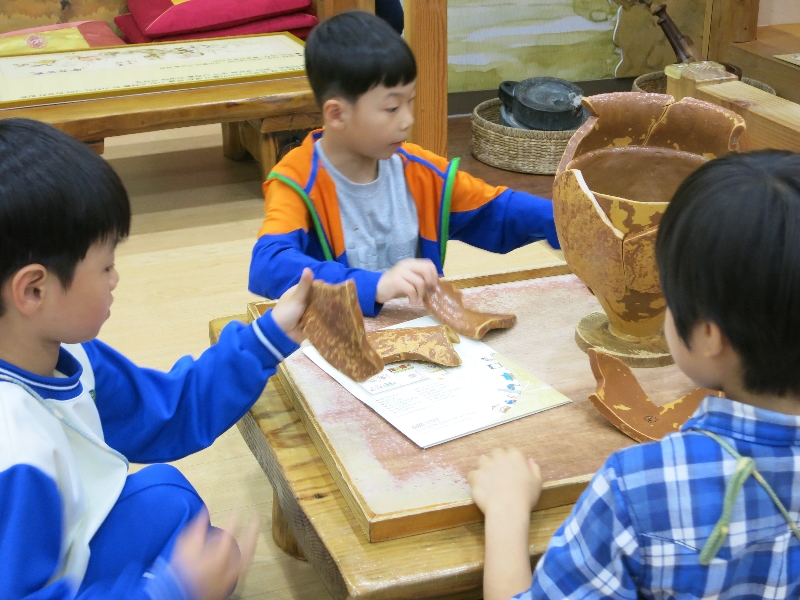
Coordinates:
<point>426,33</point>
<point>731,21</point>
<point>685,79</point>
<point>772,122</point>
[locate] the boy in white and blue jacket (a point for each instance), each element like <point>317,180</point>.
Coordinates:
<point>73,411</point>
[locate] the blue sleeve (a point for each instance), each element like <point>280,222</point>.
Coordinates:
<point>278,262</point>
<point>509,221</point>
<point>152,416</point>
<point>30,535</point>
<point>594,554</point>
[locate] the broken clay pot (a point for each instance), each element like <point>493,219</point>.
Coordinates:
<point>335,326</point>
<point>614,182</point>
<point>427,344</point>
<point>622,401</point>
<point>446,304</point>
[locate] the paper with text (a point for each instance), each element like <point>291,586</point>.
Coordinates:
<point>431,404</point>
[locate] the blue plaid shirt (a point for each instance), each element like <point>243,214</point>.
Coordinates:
<point>637,530</point>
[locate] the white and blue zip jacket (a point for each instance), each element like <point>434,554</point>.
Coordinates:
<point>65,443</point>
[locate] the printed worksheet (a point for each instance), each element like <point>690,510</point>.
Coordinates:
<point>432,405</point>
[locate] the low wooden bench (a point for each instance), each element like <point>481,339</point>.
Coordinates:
<point>257,117</point>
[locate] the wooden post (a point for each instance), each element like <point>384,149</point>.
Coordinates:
<point>426,33</point>
<point>327,8</point>
<point>731,21</point>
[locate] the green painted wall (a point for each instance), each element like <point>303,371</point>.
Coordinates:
<point>490,41</point>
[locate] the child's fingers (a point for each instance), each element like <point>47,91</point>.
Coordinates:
<point>419,284</point>
<point>232,522</point>
<point>483,461</point>
<point>408,290</point>
<point>430,274</point>
<point>534,467</point>
<point>248,543</point>
<point>306,279</point>
<point>225,552</point>
<point>195,531</point>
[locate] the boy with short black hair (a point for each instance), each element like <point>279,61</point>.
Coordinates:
<point>73,411</point>
<point>357,202</point>
<point>682,517</point>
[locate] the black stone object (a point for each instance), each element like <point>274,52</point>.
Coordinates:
<point>542,103</point>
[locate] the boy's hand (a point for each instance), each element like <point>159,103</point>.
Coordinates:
<point>291,306</point>
<point>506,480</point>
<point>411,277</point>
<point>209,561</point>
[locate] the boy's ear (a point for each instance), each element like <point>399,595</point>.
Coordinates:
<point>335,112</point>
<point>28,288</point>
<point>710,338</point>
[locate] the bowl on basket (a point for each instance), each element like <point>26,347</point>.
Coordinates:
<point>512,149</point>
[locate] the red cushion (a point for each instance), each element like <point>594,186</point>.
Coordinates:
<point>298,24</point>
<point>64,36</point>
<point>160,18</point>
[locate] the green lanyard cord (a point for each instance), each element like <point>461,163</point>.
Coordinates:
<point>745,467</point>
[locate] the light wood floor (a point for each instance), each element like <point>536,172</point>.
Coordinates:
<point>196,215</point>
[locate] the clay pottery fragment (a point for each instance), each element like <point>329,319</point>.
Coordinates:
<point>333,323</point>
<point>446,304</point>
<point>615,120</point>
<point>617,177</point>
<point>426,344</point>
<point>622,401</point>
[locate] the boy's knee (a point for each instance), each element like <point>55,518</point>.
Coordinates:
<point>162,489</point>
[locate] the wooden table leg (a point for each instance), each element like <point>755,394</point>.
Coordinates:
<point>307,539</point>
<point>98,146</point>
<point>232,144</point>
<point>282,533</point>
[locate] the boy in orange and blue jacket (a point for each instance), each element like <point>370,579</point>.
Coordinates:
<point>355,201</point>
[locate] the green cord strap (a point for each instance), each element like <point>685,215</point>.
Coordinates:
<point>745,467</point>
<point>447,194</point>
<point>323,241</point>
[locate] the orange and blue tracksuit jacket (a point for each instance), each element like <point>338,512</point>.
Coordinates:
<point>302,226</point>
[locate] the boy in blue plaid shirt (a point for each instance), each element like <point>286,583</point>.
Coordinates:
<point>710,511</point>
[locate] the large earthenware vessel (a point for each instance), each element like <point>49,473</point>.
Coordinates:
<point>617,176</point>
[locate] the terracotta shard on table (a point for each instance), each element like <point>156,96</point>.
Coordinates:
<point>622,401</point>
<point>335,326</point>
<point>427,344</point>
<point>445,303</point>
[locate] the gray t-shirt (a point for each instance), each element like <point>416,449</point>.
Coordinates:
<point>379,219</point>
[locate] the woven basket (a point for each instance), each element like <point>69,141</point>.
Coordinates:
<point>512,149</point>
<point>656,83</point>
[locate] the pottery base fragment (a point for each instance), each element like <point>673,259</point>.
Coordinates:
<point>593,332</point>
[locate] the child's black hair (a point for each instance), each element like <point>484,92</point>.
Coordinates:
<point>57,198</point>
<point>353,52</point>
<point>728,251</point>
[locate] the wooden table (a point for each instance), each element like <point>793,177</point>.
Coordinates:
<point>312,519</point>
<point>279,102</point>
<point>258,117</point>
